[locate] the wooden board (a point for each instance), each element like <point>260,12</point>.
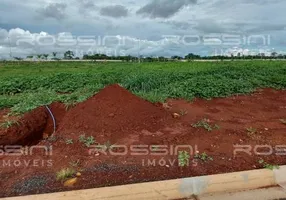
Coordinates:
<point>171,189</point>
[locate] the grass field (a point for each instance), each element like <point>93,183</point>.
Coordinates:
<point>25,85</point>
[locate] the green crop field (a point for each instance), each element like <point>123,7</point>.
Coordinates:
<point>27,85</point>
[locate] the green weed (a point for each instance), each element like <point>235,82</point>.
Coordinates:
<point>88,141</point>
<point>65,174</point>
<point>52,138</point>
<point>69,141</point>
<point>183,158</point>
<point>204,123</point>
<point>204,157</point>
<point>183,112</point>
<point>8,123</point>
<point>267,165</point>
<point>251,131</point>
<point>74,163</point>
<point>154,148</point>
<point>107,145</point>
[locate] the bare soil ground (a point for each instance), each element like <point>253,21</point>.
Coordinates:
<point>144,138</point>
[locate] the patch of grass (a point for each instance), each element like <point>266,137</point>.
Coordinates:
<point>69,105</point>
<point>69,141</point>
<point>74,163</point>
<point>251,131</point>
<point>204,157</point>
<point>154,148</point>
<point>107,145</point>
<point>204,123</point>
<point>9,123</point>
<point>267,165</point>
<point>216,127</point>
<point>87,141</point>
<point>65,174</point>
<point>25,87</point>
<point>52,138</point>
<point>183,158</point>
<point>183,112</point>
<point>82,138</point>
<point>152,96</point>
<point>33,99</point>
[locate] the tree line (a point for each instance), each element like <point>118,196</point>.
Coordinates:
<point>69,55</point>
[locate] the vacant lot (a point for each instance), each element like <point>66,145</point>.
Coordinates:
<point>200,119</point>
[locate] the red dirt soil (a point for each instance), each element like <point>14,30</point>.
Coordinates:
<point>116,115</point>
<point>59,111</point>
<point>26,131</point>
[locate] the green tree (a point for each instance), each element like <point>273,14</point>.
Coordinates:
<point>68,54</point>
<point>55,54</point>
<point>39,56</point>
<point>46,56</point>
<point>192,56</point>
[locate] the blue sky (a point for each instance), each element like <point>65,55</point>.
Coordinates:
<point>152,27</point>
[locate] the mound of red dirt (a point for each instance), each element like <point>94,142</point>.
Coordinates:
<point>113,111</point>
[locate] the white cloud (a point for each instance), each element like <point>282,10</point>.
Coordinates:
<point>243,17</point>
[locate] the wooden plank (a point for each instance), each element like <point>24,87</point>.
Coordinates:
<point>256,194</point>
<point>170,189</point>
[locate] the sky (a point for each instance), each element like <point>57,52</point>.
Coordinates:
<point>142,27</point>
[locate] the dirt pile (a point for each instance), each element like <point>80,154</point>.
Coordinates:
<point>113,111</point>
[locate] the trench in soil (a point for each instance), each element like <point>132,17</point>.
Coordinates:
<point>114,116</point>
